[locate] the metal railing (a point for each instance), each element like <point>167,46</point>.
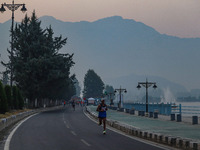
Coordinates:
<point>161,108</point>
<point>165,109</point>
<point>191,110</point>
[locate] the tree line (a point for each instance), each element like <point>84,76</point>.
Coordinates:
<point>10,100</point>
<point>39,70</point>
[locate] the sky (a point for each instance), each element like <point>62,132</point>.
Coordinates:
<point>173,17</point>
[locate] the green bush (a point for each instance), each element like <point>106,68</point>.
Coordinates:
<point>3,100</point>
<point>7,89</point>
<point>15,97</point>
<point>20,99</point>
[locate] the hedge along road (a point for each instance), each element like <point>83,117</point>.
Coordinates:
<point>68,129</point>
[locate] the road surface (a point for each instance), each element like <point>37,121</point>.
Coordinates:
<point>66,129</point>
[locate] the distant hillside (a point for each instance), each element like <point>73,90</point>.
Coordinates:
<point>116,48</point>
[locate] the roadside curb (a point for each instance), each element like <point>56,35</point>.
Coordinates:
<point>5,122</point>
<point>176,142</point>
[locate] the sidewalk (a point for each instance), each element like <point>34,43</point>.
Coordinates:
<point>161,125</point>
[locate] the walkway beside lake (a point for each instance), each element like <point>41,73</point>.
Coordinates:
<point>161,125</point>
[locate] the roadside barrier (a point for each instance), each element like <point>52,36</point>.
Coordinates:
<point>172,117</point>
<point>5,122</point>
<point>179,119</point>
<point>150,114</point>
<point>194,119</point>
<point>177,142</point>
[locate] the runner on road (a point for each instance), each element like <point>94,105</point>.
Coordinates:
<point>102,108</point>
<point>73,104</point>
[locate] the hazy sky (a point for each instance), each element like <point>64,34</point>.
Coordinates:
<point>173,17</point>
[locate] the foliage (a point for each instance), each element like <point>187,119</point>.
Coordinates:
<point>109,89</point>
<point>109,92</point>
<point>77,86</point>
<point>20,99</point>
<point>7,89</point>
<point>15,97</point>
<point>71,89</point>
<point>38,69</point>
<point>3,100</point>
<point>93,85</point>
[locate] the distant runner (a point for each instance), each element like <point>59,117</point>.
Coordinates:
<point>73,104</point>
<point>102,108</point>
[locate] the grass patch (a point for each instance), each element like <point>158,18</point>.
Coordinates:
<point>13,112</point>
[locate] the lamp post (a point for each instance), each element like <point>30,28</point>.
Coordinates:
<point>146,85</point>
<point>120,90</point>
<point>12,7</point>
<point>109,94</point>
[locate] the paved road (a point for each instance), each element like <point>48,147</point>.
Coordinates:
<point>70,130</point>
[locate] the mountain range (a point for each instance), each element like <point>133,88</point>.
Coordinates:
<point>124,52</point>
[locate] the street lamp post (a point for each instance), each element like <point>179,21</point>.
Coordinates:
<point>12,7</point>
<point>110,94</point>
<point>146,85</point>
<point>120,90</point>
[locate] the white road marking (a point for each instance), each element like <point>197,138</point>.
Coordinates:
<point>7,144</point>
<point>73,133</point>
<point>65,122</point>
<point>86,143</point>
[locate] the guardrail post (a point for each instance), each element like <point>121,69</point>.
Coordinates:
<point>179,118</point>
<point>150,114</point>
<point>172,117</point>
<point>142,113</point>
<point>194,119</point>
<point>132,111</point>
<point>155,115</point>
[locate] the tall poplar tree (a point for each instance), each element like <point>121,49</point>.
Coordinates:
<point>77,86</point>
<point>7,89</point>
<point>15,97</point>
<point>93,85</point>
<point>20,99</point>
<point>3,100</point>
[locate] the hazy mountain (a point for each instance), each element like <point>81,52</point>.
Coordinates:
<point>124,52</point>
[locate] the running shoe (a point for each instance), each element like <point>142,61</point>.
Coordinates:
<point>104,131</point>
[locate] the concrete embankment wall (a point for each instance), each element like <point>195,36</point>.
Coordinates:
<point>176,142</point>
<point>5,122</point>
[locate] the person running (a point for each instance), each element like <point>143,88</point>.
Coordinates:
<point>102,108</point>
<point>73,104</point>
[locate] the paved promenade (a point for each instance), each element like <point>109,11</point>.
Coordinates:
<point>161,125</point>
